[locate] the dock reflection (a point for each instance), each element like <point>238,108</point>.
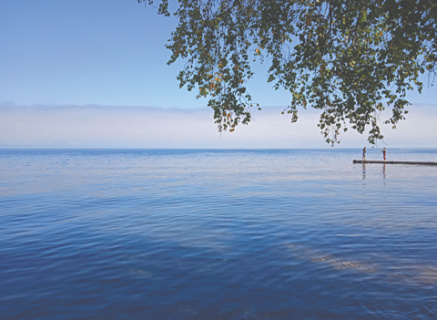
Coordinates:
<point>364,171</point>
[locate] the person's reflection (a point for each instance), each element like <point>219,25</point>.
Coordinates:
<point>383,171</point>
<point>364,171</point>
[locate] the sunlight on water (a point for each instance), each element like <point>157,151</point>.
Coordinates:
<point>216,234</point>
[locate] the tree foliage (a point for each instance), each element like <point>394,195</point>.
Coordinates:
<point>349,58</point>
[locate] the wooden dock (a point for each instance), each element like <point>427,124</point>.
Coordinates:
<point>396,162</point>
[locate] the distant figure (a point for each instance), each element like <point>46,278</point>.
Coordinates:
<point>384,153</point>
<point>364,153</point>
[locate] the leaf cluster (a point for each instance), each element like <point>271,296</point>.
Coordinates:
<point>351,59</point>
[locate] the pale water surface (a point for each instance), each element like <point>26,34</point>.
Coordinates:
<point>217,234</point>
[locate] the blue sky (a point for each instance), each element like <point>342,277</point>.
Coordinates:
<point>80,73</point>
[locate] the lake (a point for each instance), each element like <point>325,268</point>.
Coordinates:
<point>217,234</point>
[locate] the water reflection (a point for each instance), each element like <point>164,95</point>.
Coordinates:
<point>364,171</point>
<point>387,268</point>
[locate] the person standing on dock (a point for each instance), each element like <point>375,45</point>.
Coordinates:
<point>384,152</point>
<point>364,153</point>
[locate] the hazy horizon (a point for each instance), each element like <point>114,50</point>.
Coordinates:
<point>155,127</point>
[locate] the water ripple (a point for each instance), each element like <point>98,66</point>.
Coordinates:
<point>240,234</point>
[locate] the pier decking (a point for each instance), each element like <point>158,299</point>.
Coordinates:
<point>396,162</point>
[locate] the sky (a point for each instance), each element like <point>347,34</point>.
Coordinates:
<point>94,74</point>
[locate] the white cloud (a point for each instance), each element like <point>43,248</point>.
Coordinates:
<point>135,127</point>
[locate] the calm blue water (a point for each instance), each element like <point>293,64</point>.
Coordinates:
<point>204,234</point>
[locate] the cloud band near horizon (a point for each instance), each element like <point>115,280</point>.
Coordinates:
<point>147,127</point>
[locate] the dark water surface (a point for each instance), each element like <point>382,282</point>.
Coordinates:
<point>204,234</point>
